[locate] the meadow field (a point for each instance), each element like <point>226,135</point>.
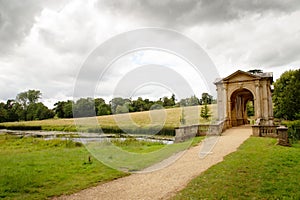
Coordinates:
<point>165,119</point>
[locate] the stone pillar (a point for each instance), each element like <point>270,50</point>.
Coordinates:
<point>225,90</point>
<point>257,99</point>
<point>220,102</point>
<point>255,130</point>
<point>270,106</point>
<point>265,102</point>
<point>228,113</point>
<point>283,138</point>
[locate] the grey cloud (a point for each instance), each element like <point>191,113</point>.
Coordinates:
<point>16,20</point>
<point>286,51</point>
<point>180,13</point>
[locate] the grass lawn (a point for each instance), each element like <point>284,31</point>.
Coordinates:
<point>32,168</point>
<point>131,155</point>
<point>258,170</point>
<point>36,169</point>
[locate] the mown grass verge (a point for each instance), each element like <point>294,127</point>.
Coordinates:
<point>258,170</point>
<point>32,168</point>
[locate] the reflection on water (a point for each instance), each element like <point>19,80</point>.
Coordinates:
<point>86,140</point>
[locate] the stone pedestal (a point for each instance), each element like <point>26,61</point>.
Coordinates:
<point>283,138</point>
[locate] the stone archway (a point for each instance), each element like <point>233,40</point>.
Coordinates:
<point>236,90</point>
<point>238,106</point>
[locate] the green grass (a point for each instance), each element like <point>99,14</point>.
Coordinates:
<point>131,155</point>
<point>135,146</point>
<point>32,168</point>
<point>36,169</point>
<point>258,170</point>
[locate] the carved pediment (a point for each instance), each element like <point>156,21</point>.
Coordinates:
<point>240,76</point>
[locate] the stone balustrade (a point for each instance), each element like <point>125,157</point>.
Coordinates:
<point>184,133</point>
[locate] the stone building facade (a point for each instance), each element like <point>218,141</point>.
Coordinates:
<point>235,90</point>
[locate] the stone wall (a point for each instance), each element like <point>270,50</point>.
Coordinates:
<point>186,132</point>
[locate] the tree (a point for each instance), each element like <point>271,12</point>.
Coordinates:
<point>206,98</point>
<point>255,71</point>
<point>84,107</point>
<point>103,109</point>
<point>3,113</point>
<point>118,101</point>
<point>286,95</point>
<point>205,112</point>
<point>182,117</point>
<point>64,109</point>
<point>138,105</point>
<point>168,102</point>
<point>38,111</point>
<point>29,97</point>
<point>250,108</point>
<point>193,101</point>
<point>24,100</point>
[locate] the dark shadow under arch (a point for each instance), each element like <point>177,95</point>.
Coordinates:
<point>238,105</point>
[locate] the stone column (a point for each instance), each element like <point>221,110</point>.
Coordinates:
<point>257,99</point>
<point>220,102</point>
<point>270,106</point>
<point>225,90</point>
<point>265,101</point>
<point>228,114</point>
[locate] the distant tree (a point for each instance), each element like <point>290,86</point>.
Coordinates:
<point>182,117</point>
<point>250,108</point>
<point>206,98</point>
<point>17,112</point>
<point>118,101</point>
<point>28,97</point>
<point>68,109</point>
<point>255,71</point>
<point>3,113</point>
<point>168,102</point>
<point>173,99</point>
<point>204,113</point>
<point>64,109</point>
<point>23,101</point>
<point>159,103</point>
<point>193,101</point>
<point>148,104</point>
<point>139,105</point>
<point>84,107</point>
<point>103,109</point>
<point>122,109</point>
<point>59,109</point>
<point>286,95</point>
<point>38,111</point>
<point>12,108</point>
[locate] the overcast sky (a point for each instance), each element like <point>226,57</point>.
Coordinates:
<point>43,44</point>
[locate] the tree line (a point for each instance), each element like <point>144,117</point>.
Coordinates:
<point>26,106</point>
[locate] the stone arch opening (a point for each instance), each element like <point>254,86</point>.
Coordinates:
<point>238,106</point>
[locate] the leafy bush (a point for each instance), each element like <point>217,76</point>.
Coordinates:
<point>20,127</point>
<point>147,131</point>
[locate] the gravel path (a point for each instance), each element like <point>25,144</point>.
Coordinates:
<point>164,183</point>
